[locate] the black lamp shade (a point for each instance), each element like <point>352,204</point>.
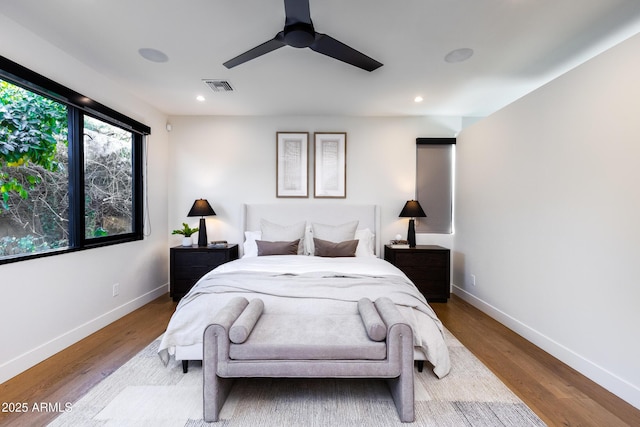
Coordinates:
<point>412,209</point>
<point>201,208</point>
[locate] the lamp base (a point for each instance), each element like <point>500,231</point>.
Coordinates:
<point>411,233</point>
<point>202,233</point>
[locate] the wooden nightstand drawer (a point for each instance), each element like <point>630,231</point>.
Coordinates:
<point>423,274</point>
<point>428,267</point>
<point>188,259</point>
<point>185,272</point>
<point>190,263</point>
<point>421,259</point>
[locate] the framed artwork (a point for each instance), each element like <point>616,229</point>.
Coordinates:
<point>292,164</point>
<point>330,165</point>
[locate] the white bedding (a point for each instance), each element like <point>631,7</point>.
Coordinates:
<point>305,285</point>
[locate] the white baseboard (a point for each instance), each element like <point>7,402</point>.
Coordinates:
<point>616,385</point>
<point>36,355</point>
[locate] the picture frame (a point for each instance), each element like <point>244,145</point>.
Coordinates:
<point>292,164</point>
<point>330,165</point>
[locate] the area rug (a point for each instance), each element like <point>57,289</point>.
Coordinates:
<point>143,392</point>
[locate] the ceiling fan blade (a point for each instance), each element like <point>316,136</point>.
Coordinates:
<point>266,47</point>
<point>329,46</point>
<point>297,11</point>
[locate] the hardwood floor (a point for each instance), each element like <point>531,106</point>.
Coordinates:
<point>68,375</point>
<point>557,393</point>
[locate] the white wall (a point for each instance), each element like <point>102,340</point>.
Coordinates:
<point>546,211</point>
<point>49,303</point>
<point>232,160</point>
<point>547,218</point>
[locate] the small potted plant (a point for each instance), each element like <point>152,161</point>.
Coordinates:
<point>186,231</point>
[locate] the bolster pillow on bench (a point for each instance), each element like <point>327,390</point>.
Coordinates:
<point>244,324</point>
<point>373,324</point>
<point>230,312</point>
<point>389,312</point>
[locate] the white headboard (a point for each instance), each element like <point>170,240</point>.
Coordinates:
<point>324,213</point>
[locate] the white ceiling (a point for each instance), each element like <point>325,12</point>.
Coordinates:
<point>519,45</point>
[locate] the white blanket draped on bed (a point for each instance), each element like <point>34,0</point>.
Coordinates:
<point>307,286</point>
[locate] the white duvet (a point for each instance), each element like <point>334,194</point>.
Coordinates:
<point>305,285</point>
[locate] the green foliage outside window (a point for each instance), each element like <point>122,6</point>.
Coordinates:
<point>34,174</point>
<point>64,188</point>
<point>33,177</point>
<point>31,127</point>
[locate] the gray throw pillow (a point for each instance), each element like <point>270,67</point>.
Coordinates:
<point>277,248</point>
<point>324,248</point>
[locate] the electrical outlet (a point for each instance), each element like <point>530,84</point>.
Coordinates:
<point>116,289</point>
<point>473,279</point>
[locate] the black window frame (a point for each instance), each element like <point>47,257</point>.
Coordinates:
<point>78,106</point>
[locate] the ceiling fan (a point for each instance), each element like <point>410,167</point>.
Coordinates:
<point>299,32</point>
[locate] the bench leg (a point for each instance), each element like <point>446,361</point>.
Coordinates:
<point>402,386</point>
<point>185,366</point>
<point>216,391</point>
<point>403,397</point>
<point>215,388</point>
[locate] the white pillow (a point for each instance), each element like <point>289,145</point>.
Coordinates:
<point>366,243</point>
<point>332,233</point>
<point>335,233</point>
<point>307,244</point>
<point>250,246</point>
<point>283,233</point>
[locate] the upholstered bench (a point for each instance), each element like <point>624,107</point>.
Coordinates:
<point>244,342</point>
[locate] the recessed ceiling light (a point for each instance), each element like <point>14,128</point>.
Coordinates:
<point>153,55</point>
<point>418,99</point>
<point>459,55</point>
<point>200,98</point>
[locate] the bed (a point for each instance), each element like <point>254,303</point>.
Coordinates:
<point>306,283</point>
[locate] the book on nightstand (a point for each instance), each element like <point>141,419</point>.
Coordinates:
<point>218,244</point>
<point>399,244</point>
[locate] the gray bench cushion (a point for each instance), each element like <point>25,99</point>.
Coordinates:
<point>335,337</point>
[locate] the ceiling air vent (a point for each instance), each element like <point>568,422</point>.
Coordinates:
<point>218,85</point>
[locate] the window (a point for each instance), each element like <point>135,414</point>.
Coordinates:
<point>108,168</point>
<point>434,186</point>
<point>70,169</point>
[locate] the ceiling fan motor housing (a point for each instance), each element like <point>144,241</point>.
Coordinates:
<point>299,34</point>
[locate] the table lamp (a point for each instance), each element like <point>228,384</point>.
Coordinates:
<point>413,210</point>
<point>201,208</point>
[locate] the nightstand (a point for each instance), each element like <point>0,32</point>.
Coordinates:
<point>189,263</point>
<point>428,266</point>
